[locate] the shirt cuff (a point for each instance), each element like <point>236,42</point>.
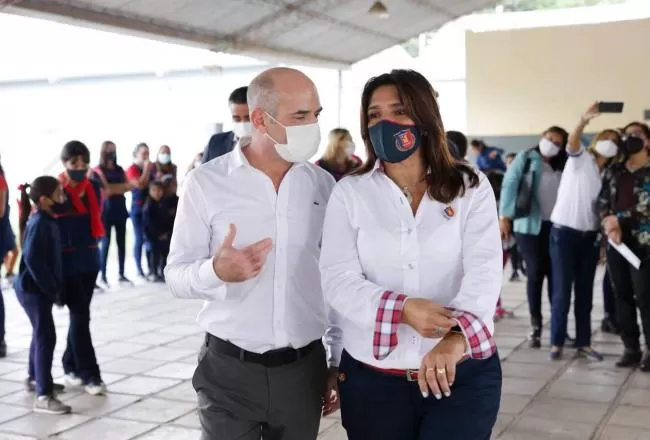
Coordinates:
<point>480,342</point>
<point>577,153</point>
<point>388,318</point>
<point>208,279</point>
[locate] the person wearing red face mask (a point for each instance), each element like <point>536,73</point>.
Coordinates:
<point>624,203</point>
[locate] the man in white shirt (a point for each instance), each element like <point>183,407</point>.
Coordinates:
<point>247,240</point>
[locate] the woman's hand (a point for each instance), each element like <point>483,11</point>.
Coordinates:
<point>429,319</point>
<point>438,368</point>
<point>613,229</point>
<point>590,114</point>
<point>505,224</point>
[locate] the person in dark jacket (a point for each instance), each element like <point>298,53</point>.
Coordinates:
<point>80,224</point>
<point>114,183</point>
<point>39,286</point>
<point>157,229</point>
<point>222,143</point>
<point>7,243</point>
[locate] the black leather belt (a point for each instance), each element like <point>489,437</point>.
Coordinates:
<point>274,358</point>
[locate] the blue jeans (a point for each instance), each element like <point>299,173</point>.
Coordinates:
<point>120,239</point>
<point>378,406</point>
<point>138,237</point>
<point>41,349</point>
<point>574,256</point>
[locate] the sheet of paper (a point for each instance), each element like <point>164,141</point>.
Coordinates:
<point>626,253</point>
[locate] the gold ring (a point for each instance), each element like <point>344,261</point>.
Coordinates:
<point>441,371</point>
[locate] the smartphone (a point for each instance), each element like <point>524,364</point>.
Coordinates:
<point>610,107</point>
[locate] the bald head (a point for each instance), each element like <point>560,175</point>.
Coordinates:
<point>269,87</point>
<point>281,97</point>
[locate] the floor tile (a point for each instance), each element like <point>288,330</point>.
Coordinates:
<point>190,420</point>
<point>98,406</point>
<point>582,392</point>
<point>636,397</point>
<point>522,387</point>
<point>615,432</point>
<point>530,428</point>
<point>170,432</point>
<point>513,404</point>
<point>631,416</point>
<point>174,370</point>
<point>9,412</point>
<point>43,425</point>
<point>128,365</point>
<point>108,429</point>
<point>143,386</point>
<point>183,391</point>
<point>154,410</point>
<point>567,410</point>
<point>165,353</point>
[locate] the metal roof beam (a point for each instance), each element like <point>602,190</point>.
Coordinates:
<point>148,28</point>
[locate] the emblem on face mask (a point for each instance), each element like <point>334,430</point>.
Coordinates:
<point>404,140</point>
<point>448,212</point>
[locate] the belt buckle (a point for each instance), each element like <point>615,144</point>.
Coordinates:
<point>410,375</point>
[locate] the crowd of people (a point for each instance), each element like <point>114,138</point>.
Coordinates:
<point>339,282</point>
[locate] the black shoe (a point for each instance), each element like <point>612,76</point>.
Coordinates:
<point>609,326</point>
<point>514,277</point>
<point>630,358</point>
<point>535,338</point>
<point>644,365</point>
<point>30,386</point>
<point>3,349</point>
<point>124,280</point>
<point>568,340</point>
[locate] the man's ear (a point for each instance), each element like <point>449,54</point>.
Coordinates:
<point>258,120</point>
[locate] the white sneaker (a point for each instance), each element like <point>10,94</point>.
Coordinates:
<point>95,388</point>
<point>72,380</point>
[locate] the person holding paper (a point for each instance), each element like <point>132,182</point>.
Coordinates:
<point>624,205</point>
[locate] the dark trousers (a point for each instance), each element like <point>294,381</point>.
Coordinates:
<point>41,349</point>
<point>138,238</point>
<point>240,400</point>
<point>378,406</point>
<point>2,318</point>
<point>574,257</point>
<point>609,299</point>
<point>632,290</point>
<point>158,256</point>
<point>79,356</point>
<point>535,251</point>
<point>120,239</point>
<point>515,259</point>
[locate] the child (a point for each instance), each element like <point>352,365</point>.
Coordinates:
<point>39,286</point>
<point>156,225</point>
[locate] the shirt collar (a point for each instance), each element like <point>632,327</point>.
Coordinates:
<point>378,167</point>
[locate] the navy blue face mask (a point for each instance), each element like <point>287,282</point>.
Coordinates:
<point>394,142</point>
<point>77,175</point>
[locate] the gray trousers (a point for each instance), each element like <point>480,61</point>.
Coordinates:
<point>247,401</point>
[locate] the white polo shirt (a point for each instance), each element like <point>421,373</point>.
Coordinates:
<point>576,199</point>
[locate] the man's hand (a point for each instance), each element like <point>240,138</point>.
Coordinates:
<point>429,319</point>
<point>438,368</point>
<point>613,229</point>
<point>505,225</point>
<point>331,402</point>
<point>493,154</point>
<point>236,265</point>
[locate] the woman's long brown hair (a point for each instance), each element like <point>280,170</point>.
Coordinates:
<point>446,179</point>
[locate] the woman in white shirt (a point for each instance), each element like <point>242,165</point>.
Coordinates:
<point>411,270</point>
<point>575,240</point>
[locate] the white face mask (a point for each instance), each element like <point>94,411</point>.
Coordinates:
<point>302,141</point>
<point>606,148</point>
<point>350,149</point>
<point>548,148</point>
<point>243,129</point>
<point>164,158</point>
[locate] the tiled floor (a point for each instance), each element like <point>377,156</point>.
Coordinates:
<point>147,341</point>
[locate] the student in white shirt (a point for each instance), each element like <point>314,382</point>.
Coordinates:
<point>411,268</point>
<point>247,241</point>
<point>575,241</point>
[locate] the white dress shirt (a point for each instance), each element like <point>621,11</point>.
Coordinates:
<point>372,243</point>
<point>576,198</point>
<point>281,307</point>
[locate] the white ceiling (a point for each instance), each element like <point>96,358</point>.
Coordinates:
<point>324,32</point>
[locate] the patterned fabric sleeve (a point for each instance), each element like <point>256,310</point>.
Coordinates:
<point>389,315</point>
<point>479,339</point>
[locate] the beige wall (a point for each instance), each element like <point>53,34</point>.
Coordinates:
<point>519,82</point>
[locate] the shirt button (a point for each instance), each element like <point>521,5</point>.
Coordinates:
<point>411,266</point>
<point>409,231</point>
